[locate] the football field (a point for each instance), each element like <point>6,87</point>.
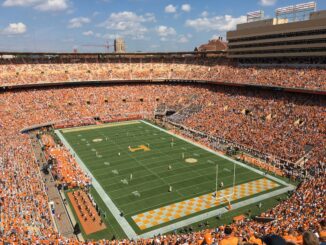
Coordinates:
<point>154,181</point>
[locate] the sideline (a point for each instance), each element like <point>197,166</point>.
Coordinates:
<point>131,234</point>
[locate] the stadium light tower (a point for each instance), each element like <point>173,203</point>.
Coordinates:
<point>296,12</point>
<point>255,16</point>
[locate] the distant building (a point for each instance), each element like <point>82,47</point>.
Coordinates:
<point>213,45</point>
<point>119,45</point>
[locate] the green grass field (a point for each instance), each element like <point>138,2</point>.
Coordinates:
<point>114,152</point>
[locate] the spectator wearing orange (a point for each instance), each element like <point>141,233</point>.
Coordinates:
<point>229,238</point>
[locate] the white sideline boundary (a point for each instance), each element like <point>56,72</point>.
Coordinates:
<point>131,234</point>
<point>126,227</point>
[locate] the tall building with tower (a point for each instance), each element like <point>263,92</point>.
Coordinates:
<point>119,45</point>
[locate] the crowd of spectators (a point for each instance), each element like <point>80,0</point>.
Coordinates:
<point>66,170</point>
<point>279,125</point>
<point>188,69</point>
<point>275,123</point>
<point>62,164</point>
<point>24,205</point>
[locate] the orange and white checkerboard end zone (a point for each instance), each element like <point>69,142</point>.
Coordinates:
<point>187,207</point>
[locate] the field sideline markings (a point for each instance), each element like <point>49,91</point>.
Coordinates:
<point>124,224</point>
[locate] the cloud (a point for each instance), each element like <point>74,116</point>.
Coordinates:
<point>129,24</point>
<point>52,5</point>
<point>204,14</point>
<point>164,31</point>
<point>267,2</point>
<point>41,5</point>
<point>14,29</point>
<point>217,23</point>
<point>183,39</point>
<point>186,7</point>
<point>78,22</point>
<point>170,9</point>
<point>88,33</point>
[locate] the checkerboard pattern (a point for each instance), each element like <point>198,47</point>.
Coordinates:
<point>181,209</point>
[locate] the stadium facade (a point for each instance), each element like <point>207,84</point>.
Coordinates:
<point>277,38</point>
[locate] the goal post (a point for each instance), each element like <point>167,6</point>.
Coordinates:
<point>227,197</point>
<point>216,180</point>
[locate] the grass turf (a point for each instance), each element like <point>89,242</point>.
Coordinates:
<point>105,151</point>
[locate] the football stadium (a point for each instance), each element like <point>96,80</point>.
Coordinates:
<point>224,144</point>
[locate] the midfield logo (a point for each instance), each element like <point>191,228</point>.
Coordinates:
<point>139,148</point>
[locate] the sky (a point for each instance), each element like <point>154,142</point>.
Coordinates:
<point>145,25</point>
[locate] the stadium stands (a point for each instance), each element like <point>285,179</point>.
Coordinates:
<point>277,124</point>
<point>200,69</point>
